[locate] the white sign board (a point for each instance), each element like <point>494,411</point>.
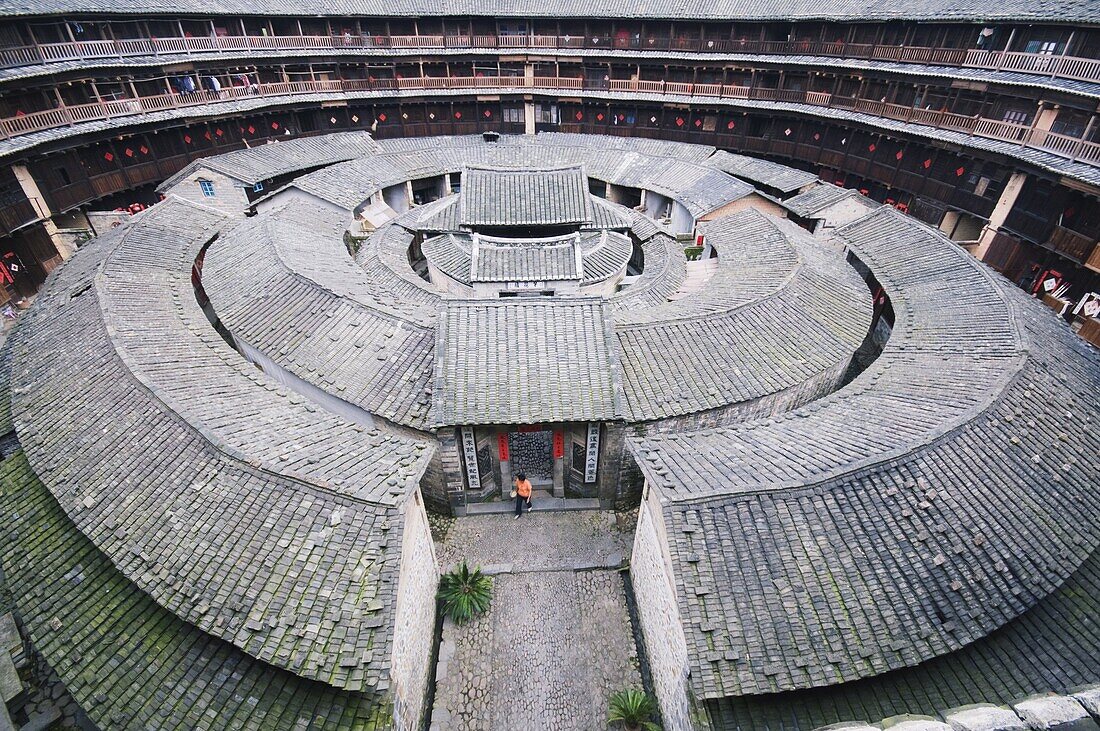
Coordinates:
<point>469,452</point>
<point>1092,308</point>
<point>592,452</point>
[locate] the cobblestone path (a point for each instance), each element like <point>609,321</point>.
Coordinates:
<point>557,640</point>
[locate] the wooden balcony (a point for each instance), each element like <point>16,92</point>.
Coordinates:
<point>20,213</point>
<point>1069,147</point>
<point>1071,244</point>
<point>1066,67</point>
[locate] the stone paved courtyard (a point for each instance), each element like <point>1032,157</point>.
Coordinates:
<point>557,640</point>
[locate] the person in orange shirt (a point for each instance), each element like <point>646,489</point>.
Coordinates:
<point>522,493</point>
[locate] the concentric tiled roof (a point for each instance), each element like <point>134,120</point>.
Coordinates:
<point>779,312</point>
<point>130,662</point>
<point>754,170</point>
<point>237,506</point>
<point>908,514</point>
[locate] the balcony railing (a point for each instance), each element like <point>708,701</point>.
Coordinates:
<point>20,213</point>
<point>1062,145</point>
<point>1071,244</point>
<point>1065,67</point>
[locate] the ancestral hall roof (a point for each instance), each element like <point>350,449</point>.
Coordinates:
<point>503,260</point>
<point>499,197</point>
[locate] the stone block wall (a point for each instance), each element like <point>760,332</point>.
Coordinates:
<point>659,615</point>
<point>414,625</point>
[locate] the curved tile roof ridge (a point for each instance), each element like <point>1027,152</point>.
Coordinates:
<point>921,498</point>
<point>210,551</point>
<point>746,274</point>
<point>735,339</point>
<point>347,339</point>
<point>79,609</point>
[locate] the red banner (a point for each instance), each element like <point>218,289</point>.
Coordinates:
<point>559,445</point>
<point>502,447</point>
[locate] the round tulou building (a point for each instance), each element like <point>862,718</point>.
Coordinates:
<point>785,311</point>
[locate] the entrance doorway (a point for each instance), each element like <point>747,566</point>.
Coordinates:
<point>532,453</point>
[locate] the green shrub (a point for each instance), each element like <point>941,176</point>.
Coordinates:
<point>464,593</point>
<point>634,709</point>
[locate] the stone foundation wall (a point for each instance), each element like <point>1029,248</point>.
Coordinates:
<point>414,625</point>
<point>659,615</point>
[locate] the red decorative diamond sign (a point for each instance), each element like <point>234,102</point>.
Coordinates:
<point>382,117</point>
<point>899,155</point>
<point>871,147</point>
<point>274,125</point>
<point>679,121</point>
<point>579,116</point>
<point>599,117</point>
<point>730,125</point>
<point>108,156</point>
<point>208,135</point>
<point>129,152</point>
<point>187,139</point>
<point>927,164</point>
<point>251,130</point>
<point>488,113</point>
<point>959,172</point>
<point>458,115</point>
<point>144,150</point>
<point>219,132</point>
<point>698,123</point>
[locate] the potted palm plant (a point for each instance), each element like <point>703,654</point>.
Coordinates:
<point>464,593</point>
<point>634,709</point>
